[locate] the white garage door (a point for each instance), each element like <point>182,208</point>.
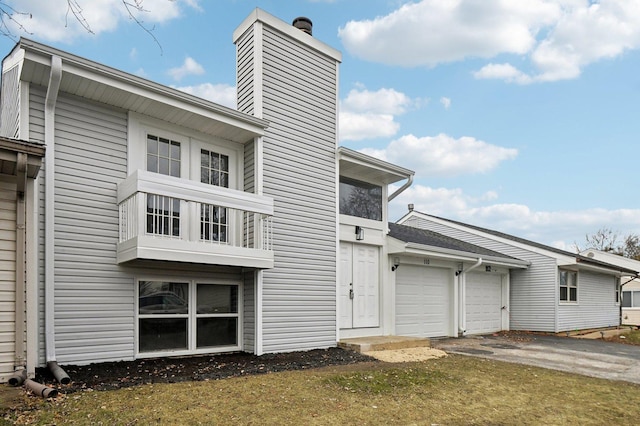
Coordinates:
<point>483,303</point>
<point>423,301</point>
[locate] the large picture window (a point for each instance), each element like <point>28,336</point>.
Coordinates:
<point>191,316</point>
<point>360,199</point>
<point>568,286</point>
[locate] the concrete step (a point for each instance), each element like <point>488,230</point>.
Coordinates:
<point>382,343</point>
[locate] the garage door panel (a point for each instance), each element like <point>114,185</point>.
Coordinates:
<point>483,302</point>
<point>423,301</point>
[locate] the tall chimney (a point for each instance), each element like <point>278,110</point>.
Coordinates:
<point>303,24</point>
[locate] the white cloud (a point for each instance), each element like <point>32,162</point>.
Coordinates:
<point>368,115</point>
<point>446,102</point>
<point>430,32</point>
<point>560,229</point>
<point>443,155</point>
<point>188,67</point>
<point>50,21</point>
<point>222,94</point>
<point>557,38</point>
<point>355,127</point>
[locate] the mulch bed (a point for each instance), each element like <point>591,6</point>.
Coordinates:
<point>122,374</point>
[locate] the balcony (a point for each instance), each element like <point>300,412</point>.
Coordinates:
<point>173,219</point>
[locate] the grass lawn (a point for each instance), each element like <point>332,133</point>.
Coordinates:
<point>451,390</point>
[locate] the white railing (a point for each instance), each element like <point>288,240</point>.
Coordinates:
<point>159,212</point>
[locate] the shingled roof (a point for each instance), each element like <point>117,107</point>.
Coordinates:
<point>425,237</point>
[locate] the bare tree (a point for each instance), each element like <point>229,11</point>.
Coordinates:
<point>606,239</point>
<point>10,17</point>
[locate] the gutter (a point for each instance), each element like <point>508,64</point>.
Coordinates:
<point>49,282</point>
<point>398,191</point>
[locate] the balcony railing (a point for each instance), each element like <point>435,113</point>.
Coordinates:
<point>173,219</point>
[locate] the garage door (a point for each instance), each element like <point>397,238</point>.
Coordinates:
<point>423,301</point>
<point>483,303</point>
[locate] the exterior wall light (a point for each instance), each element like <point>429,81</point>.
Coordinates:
<point>396,263</point>
<point>359,233</point>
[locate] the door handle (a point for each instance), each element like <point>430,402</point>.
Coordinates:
<point>351,294</point>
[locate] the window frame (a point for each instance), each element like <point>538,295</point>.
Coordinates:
<point>191,317</point>
<point>618,291</point>
<point>568,286</point>
<point>346,180</point>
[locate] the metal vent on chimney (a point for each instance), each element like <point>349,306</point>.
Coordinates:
<point>303,24</point>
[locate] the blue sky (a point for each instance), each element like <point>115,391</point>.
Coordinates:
<point>520,116</point>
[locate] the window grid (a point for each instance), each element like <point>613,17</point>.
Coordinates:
<point>214,170</point>
<point>568,286</point>
<point>163,156</point>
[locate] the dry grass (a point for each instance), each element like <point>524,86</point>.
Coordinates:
<point>452,390</point>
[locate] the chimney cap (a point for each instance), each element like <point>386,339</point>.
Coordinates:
<point>304,24</point>
<point>410,207</point>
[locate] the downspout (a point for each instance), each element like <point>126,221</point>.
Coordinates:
<point>463,294</point>
<point>620,301</point>
<point>401,189</point>
<point>20,366</point>
<point>49,283</point>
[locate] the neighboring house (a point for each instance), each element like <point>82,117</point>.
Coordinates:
<point>630,284</point>
<point>559,291</point>
<point>20,163</point>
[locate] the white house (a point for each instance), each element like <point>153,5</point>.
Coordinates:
<point>166,225</point>
<point>630,284</point>
<point>558,291</point>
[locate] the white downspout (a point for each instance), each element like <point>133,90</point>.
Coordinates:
<point>401,189</point>
<point>463,294</point>
<point>49,140</point>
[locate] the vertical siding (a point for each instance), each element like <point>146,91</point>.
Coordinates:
<point>244,72</point>
<point>533,291</point>
<point>7,278</point>
<point>596,305</point>
<point>299,101</point>
<point>10,104</point>
<point>93,298</point>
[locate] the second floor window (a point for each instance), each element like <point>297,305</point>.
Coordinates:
<point>360,199</point>
<point>163,213</point>
<point>214,170</point>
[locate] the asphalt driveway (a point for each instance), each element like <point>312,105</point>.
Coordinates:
<point>589,357</point>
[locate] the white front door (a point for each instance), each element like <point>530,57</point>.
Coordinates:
<point>359,286</point>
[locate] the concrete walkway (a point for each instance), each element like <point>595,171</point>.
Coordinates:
<point>589,357</point>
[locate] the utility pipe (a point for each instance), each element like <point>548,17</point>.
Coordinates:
<point>21,252</point>
<point>463,294</point>
<point>49,286</point>
<point>40,389</point>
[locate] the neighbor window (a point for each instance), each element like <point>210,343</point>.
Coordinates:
<point>187,316</point>
<point>360,199</point>
<point>568,286</point>
<point>631,299</point>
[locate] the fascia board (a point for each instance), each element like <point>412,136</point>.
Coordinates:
<point>130,83</point>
